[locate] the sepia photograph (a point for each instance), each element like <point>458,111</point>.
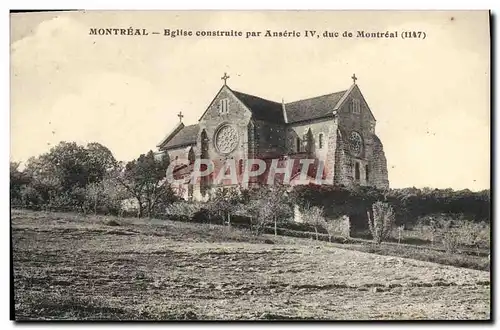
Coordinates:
<point>250,165</point>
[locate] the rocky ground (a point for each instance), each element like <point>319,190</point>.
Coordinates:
<point>74,267</point>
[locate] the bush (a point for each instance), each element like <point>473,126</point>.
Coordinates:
<point>314,217</point>
<point>201,216</point>
<point>381,221</point>
<point>339,227</point>
<point>453,233</point>
<point>408,204</point>
<point>451,241</point>
<point>185,211</point>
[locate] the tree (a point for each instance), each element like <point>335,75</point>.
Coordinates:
<point>100,162</point>
<point>93,195</point>
<point>380,221</point>
<point>340,227</point>
<point>18,180</point>
<point>223,203</point>
<point>61,175</point>
<point>269,206</point>
<point>145,180</point>
<point>314,217</point>
<point>104,196</point>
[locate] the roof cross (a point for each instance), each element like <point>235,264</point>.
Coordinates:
<point>225,78</point>
<point>180,115</point>
<point>354,78</point>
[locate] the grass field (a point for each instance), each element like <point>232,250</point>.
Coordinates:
<point>69,266</point>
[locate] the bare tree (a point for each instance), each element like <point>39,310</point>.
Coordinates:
<point>314,217</point>
<point>380,220</point>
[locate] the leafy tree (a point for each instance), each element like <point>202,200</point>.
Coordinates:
<point>314,216</point>
<point>223,202</point>
<point>18,180</point>
<point>104,196</point>
<point>269,206</point>
<point>340,227</point>
<point>61,175</point>
<point>145,180</point>
<point>100,162</point>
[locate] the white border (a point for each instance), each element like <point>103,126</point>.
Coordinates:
<point>185,4</point>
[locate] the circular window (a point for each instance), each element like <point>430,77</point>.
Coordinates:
<point>226,139</point>
<point>356,143</point>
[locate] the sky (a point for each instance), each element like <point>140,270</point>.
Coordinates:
<point>431,97</point>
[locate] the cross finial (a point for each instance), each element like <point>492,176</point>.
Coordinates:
<point>354,78</point>
<point>225,78</point>
<point>180,115</point>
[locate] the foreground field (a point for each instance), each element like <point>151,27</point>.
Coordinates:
<point>73,267</point>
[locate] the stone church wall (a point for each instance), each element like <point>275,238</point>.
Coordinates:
<point>180,153</point>
<point>299,130</point>
<point>372,158</point>
<point>237,116</point>
<point>269,139</point>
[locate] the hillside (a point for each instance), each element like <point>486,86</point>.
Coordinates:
<point>69,266</point>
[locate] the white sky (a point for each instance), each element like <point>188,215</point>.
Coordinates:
<point>430,97</point>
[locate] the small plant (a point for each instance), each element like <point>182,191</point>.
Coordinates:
<point>314,216</point>
<point>401,230</point>
<point>451,241</point>
<point>183,210</point>
<point>339,227</point>
<point>380,220</point>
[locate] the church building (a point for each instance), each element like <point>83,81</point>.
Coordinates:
<point>336,130</point>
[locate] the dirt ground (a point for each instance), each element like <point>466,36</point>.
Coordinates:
<point>74,267</point>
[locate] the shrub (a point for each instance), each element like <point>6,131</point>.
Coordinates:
<point>183,210</point>
<point>267,206</point>
<point>473,234</point>
<point>451,240</point>
<point>223,202</point>
<point>380,221</point>
<point>455,232</point>
<point>314,217</point>
<point>201,216</point>
<point>339,227</point>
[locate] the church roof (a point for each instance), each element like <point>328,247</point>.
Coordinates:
<point>186,136</point>
<point>262,109</point>
<point>266,110</point>
<point>313,108</point>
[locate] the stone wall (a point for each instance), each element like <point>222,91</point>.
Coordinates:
<point>371,161</point>
<point>317,127</point>
<point>269,139</point>
<point>237,116</point>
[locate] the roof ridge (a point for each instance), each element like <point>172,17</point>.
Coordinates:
<point>235,91</point>
<point>316,97</point>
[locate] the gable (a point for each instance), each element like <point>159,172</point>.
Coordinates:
<point>355,93</point>
<point>236,108</point>
<point>257,107</point>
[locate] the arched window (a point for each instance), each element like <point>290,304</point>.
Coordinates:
<point>297,144</point>
<point>367,173</point>
<point>320,140</point>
